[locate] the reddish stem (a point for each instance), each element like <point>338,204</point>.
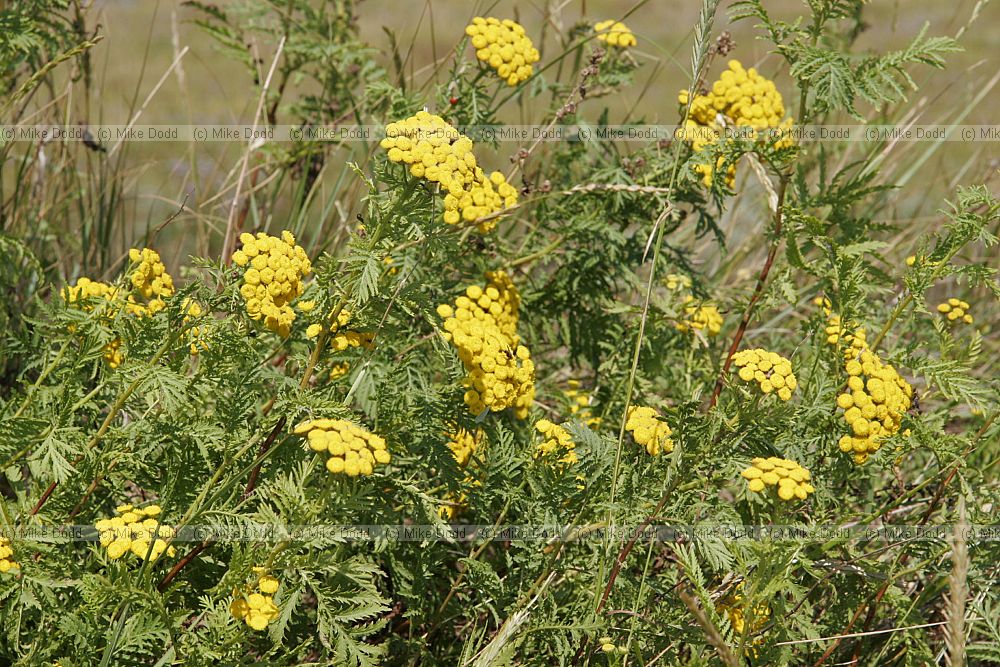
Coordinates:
<point>931,508</point>
<point>181,564</point>
<point>757,293</point>
<point>264,446</point>
<point>627,549</point>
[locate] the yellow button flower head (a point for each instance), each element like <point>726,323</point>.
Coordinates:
<point>150,283</point>
<point>150,279</point>
<point>482,324</point>
<point>272,279</point>
<point>503,46</point>
<point>956,311</point>
<point>7,562</point>
<point>607,645</point>
<point>135,530</point>
<point>113,355</point>
<point>353,450</point>
<point>339,370</point>
<point>648,430</point>
<point>789,478</point>
<point>734,606</point>
<point>922,259</point>
<point>615,33</point>
<point>256,609</point>
<point>701,317</point>
<point>677,282</point>
<point>463,444</point>
<point>81,296</point>
<point>874,402</point>
<point>340,337</point>
<point>436,151</point>
<point>837,333</point>
<point>85,290</point>
<point>556,447</point>
<point>740,98</point>
<point>579,404</point>
<point>196,341</point>
<point>771,371</point>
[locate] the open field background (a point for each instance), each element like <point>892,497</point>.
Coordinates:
<point>145,36</point>
<point>658,339</point>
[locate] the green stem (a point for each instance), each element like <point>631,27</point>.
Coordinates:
<point>116,407</point>
<point>41,378</point>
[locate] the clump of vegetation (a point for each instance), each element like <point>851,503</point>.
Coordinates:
<point>564,412</point>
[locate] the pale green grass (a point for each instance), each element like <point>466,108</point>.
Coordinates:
<point>144,36</point>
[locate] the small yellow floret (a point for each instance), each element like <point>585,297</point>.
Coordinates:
<point>353,450</point>
<point>771,371</point>
<point>789,478</point>
<point>648,430</point>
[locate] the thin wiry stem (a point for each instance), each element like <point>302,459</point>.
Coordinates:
<point>700,54</point>
<point>758,292</point>
<point>230,238</point>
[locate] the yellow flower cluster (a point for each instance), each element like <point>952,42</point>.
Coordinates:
<point>874,402</point>
<point>701,317</point>
<point>614,33</point>
<point>196,342</point>
<point>579,404</point>
<point>150,278</point>
<point>678,281</point>
<point>86,289</point>
<point>77,296</point>
<point>257,609</point>
<point>483,326</point>
<point>136,530</point>
<point>439,153</point>
<point>648,430</point>
<point>556,446</point>
<point>340,338</point>
<point>703,140</point>
<point>837,333</point>
<point>955,310</point>
<point>353,450</point>
<point>7,562</point>
<point>740,98</point>
<point>768,369</point>
<point>734,608</point>
<point>743,96</point>
<point>113,355</point>
<point>463,444</point>
<point>273,279</point>
<point>503,46</point>
<point>791,479</point>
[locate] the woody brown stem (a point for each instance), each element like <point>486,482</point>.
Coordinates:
<point>758,292</point>
<point>181,564</point>
<point>264,446</point>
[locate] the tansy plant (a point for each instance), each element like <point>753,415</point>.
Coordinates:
<point>389,389</point>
